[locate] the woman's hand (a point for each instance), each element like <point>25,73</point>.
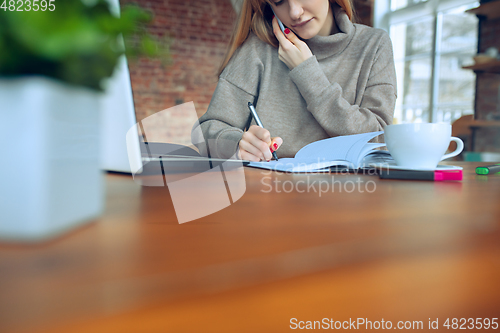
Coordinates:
<point>257,145</point>
<point>292,51</point>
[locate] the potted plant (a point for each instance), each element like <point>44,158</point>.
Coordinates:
<point>53,57</point>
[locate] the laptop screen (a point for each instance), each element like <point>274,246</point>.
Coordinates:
<point>117,117</point>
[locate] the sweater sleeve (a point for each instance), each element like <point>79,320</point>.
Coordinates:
<point>221,127</point>
<point>324,97</point>
<point>223,124</point>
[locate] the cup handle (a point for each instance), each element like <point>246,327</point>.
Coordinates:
<point>460,147</point>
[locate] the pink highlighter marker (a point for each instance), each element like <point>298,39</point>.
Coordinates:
<point>448,175</point>
<point>440,175</point>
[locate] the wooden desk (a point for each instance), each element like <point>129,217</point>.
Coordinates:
<point>408,251</point>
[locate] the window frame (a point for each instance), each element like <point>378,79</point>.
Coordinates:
<point>384,17</point>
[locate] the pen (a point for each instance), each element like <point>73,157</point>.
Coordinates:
<point>257,120</point>
<point>421,175</point>
<point>488,169</point>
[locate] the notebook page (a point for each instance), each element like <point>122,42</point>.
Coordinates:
<point>367,148</point>
<point>340,150</point>
<point>378,157</point>
<point>283,164</point>
<point>292,165</point>
<point>345,148</point>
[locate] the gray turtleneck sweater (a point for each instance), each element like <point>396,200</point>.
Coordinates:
<point>347,87</point>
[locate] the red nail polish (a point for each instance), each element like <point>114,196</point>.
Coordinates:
<point>275,146</point>
<point>287,31</point>
<point>271,149</point>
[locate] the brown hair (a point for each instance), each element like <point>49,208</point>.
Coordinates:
<point>256,16</point>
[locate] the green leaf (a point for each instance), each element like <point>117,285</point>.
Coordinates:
<point>78,43</point>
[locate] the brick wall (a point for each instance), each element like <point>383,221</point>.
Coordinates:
<point>200,30</point>
<point>487,87</point>
<point>487,83</point>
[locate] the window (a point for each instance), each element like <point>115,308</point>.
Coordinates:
<point>432,40</point>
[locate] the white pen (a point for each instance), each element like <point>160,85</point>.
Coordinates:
<point>257,120</point>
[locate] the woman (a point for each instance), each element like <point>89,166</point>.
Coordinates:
<point>322,77</point>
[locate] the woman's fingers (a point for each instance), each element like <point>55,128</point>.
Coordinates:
<point>292,51</point>
<point>276,143</point>
<point>256,141</point>
<point>249,148</point>
<point>260,133</point>
<point>256,144</point>
<point>277,31</point>
<point>246,156</point>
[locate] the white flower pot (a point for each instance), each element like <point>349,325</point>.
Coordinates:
<point>50,180</point>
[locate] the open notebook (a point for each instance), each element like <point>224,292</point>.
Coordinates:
<point>349,151</point>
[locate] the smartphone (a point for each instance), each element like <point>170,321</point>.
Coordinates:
<point>282,27</point>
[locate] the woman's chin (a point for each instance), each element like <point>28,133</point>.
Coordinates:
<point>305,36</point>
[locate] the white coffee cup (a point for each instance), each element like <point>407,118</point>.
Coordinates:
<point>420,145</point>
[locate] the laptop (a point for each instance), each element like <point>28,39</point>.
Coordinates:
<point>123,148</point>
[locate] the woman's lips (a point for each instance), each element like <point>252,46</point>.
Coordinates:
<point>298,25</point>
